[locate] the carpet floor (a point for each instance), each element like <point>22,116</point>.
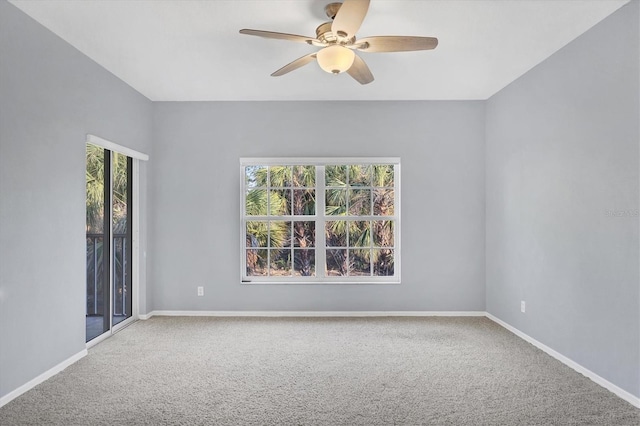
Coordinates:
<point>317,371</point>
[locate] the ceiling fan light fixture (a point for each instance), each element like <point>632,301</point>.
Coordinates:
<point>335,59</point>
<point>337,42</point>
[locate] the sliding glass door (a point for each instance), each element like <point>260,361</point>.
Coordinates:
<point>109,185</point>
<point>122,235</point>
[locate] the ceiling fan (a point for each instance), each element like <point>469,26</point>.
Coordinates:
<point>337,40</point>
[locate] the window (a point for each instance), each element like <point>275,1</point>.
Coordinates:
<point>320,220</point>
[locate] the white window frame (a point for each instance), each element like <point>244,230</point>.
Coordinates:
<point>320,219</point>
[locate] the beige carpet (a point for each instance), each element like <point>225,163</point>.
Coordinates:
<point>311,371</point>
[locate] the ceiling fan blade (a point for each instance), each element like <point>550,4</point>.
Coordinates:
<point>280,36</point>
<point>349,17</point>
<point>360,71</point>
<point>300,62</point>
<point>396,43</point>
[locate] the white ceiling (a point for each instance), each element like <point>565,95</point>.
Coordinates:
<point>190,50</point>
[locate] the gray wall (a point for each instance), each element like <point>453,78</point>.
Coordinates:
<point>195,199</point>
<point>562,154</point>
<point>51,96</point>
<point>562,151</point>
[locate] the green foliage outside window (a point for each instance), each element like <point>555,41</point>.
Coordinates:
<point>354,246</point>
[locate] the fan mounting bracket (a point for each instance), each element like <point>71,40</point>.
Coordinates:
<point>331,10</point>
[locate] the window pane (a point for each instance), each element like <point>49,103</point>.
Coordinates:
<point>336,233</point>
<point>335,202</point>
<point>257,262</point>
<point>335,175</point>
<point>383,175</point>
<point>382,231</point>
<point>360,202</point>
<point>255,176</point>
<point>280,202</point>
<point>337,264</point>
<point>304,202</point>
<point>304,234</point>
<point>383,262</point>
<point>304,262</point>
<point>280,265</point>
<point>280,176</point>
<point>280,234</point>
<point>360,175</point>
<point>359,234</point>
<point>304,176</point>
<point>97,255</point>
<point>359,262</point>
<point>256,202</point>
<point>383,202</point>
<point>257,234</point>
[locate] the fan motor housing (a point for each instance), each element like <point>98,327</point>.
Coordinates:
<point>325,35</point>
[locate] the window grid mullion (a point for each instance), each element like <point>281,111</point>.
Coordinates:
<point>321,243</point>
<point>346,212</point>
<point>311,218</point>
<point>268,183</point>
<point>291,249</point>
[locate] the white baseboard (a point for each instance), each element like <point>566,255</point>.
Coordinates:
<point>627,396</point>
<point>41,378</point>
<point>313,314</point>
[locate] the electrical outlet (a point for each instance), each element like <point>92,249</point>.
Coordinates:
<point>201,291</point>
<point>522,306</point>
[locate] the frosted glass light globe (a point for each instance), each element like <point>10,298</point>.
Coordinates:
<point>335,59</point>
